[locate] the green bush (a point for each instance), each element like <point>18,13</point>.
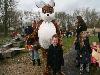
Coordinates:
<point>93,39</point>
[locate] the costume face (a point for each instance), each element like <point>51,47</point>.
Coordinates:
<point>47,9</point>
<point>47,13</point>
<point>54,41</point>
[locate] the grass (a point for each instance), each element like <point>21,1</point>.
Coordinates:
<point>68,42</point>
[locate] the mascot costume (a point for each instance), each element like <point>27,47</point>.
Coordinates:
<point>45,29</point>
<point>47,26</point>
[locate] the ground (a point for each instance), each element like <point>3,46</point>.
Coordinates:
<point>22,65</point>
<point>19,65</point>
<point>69,67</point>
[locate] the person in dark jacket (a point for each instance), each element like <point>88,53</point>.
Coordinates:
<point>81,26</point>
<point>77,48</point>
<point>99,36</point>
<point>55,56</point>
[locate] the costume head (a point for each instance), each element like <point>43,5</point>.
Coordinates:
<point>47,13</point>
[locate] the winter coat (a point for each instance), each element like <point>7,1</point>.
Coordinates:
<point>55,56</point>
<point>81,27</point>
<point>99,36</point>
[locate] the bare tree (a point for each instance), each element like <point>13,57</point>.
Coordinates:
<point>8,14</point>
<point>62,17</point>
<point>90,16</point>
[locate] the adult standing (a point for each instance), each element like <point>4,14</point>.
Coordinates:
<point>81,26</point>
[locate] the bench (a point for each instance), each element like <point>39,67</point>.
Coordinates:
<point>17,50</point>
<point>12,52</point>
<point>8,45</point>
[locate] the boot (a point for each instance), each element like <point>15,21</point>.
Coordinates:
<point>38,61</point>
<point>81,69</point>
<point>88,67</point>
<point>33,62</point>
<point>60,73</point>
<point>77,63</point>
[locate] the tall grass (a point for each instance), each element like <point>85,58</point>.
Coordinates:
<point>67,43</point>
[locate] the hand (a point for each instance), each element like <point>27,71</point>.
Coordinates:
<point>80,55</point>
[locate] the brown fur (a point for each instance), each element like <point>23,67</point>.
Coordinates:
<point>57,27</point>
<point>47,9</point>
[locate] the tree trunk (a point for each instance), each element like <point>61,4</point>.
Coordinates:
<point>5,18</point>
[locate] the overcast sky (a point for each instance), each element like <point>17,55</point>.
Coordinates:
<point>61,5</point>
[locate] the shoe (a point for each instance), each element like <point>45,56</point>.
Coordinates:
<point>81,69</point>
<point>33,62</point>
<point>61,73</point>
<point>87,68</point>
<point>38,61</point>
<point>81,73</point>
<point>77,65</point>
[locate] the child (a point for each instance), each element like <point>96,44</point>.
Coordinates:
<point>98,50</point>
<point>35,54</point>
<point>84,52</point>
<point>88,51</point>
<point>77,48</point>
<point>95,54</point>
<point>33,46</point>
<point>81,54</point>
<point>55,56</point>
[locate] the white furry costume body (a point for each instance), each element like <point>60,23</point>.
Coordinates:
<point>47,29</point>
<point>45,33</point>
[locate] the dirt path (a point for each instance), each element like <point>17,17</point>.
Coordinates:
<point>22,65</point>
<point>19,65</point>
<point>70,69</point>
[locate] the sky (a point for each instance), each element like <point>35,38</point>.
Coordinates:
<point>61,5</point>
